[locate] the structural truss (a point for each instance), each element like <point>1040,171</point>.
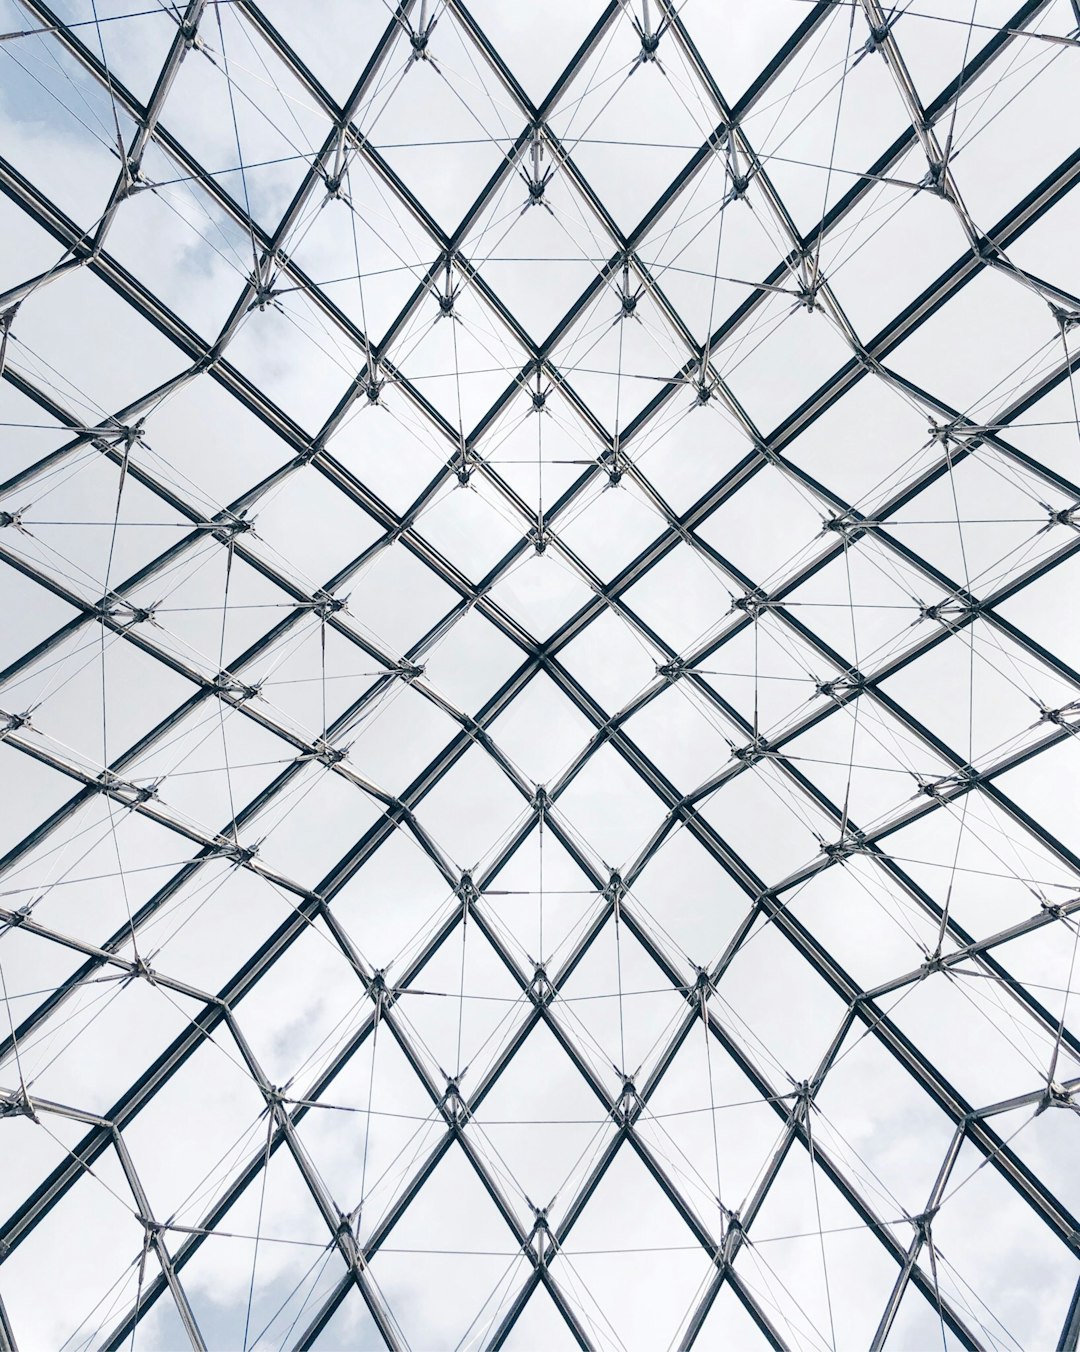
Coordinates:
<point>539,691</point>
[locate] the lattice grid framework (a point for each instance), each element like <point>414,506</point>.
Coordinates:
<point>539,708</point>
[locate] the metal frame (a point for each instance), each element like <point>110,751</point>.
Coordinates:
<point>954,609</point>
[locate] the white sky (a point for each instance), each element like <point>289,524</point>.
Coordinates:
<point>539,692</point>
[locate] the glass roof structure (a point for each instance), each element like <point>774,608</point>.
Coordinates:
<point>540,674</point>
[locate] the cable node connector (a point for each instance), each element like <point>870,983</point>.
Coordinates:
<point>541,1238</point>
<point>649,44</point>
<point>126,435</point>
<point>842,688</point>
<point>276,1097</point>
<point>615,889</point>
<point>466,890</point>
<point>808,295</point>
<point>934,962</point>
<point>324,603</point>
<point>948,786</point>
<point>409,671</point>
<point>207,361</point>
<point>189,32</point>
<point>629,1100</point>
<point>122,612</point>
<point>843,524</point>
<point>13,722</point>
<point>541,985</point>
<point>232,849</point>
<point>264,295</point>
<point>1055,909</point>
<point>540,537</point>
<point>16,1104</point>
<point>230,526</point>
<point>1067,319</point>
<point>876,38</point>
<point>140,968</point>
<point>951,611</point>
<point>942,433</point>
<point>671,671</point>
<point>540,1234</point>
<point>934,178</point>
<point>1060,715</point>
<point>453,1102</point>
<point>701,988</point>
<point>327,754</point>
<point>308,454</point>
<point>615,468</point>
<point>851,843</point>
<point>803,1093</point>
<point>133,181</point>
<point>752,752</point>
<point>752,604</point>
<point>225,683</point>
<point>124,790</point>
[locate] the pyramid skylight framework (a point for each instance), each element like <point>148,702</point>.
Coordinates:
<point>539,689</point>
